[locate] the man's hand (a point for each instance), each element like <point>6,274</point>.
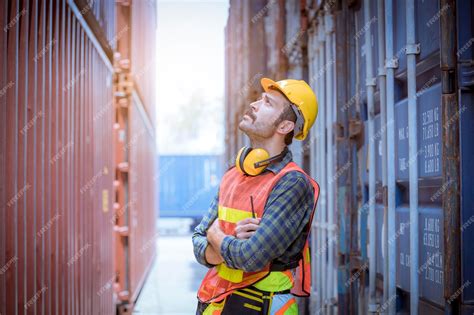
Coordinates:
<point>246,228</point>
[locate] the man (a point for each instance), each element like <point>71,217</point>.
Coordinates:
<point>254,237</point>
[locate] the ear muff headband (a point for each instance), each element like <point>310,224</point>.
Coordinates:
<point>266,162</point>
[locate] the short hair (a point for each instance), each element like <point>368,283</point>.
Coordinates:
<point>287,114</point>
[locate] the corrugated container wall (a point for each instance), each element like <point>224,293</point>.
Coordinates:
<point>390,146</point>
<point>58,202</point>
<point>259,43</point>
<point>143,52</point>
<point>135,148</point>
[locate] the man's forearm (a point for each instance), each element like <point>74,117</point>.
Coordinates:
<point>215,237</point>
<point>213,257</point>
<point>200,242</point>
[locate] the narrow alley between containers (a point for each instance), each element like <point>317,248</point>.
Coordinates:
<point>172,157</point>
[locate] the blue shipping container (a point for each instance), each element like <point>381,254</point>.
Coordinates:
<point>187,184</point>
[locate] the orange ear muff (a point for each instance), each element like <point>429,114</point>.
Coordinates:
<point>246,159</point>
<point>239,160</point>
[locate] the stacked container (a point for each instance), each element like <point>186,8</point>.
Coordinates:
<point>390,147</point>
<point>60,179</point>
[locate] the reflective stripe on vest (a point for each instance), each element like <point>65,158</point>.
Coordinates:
<point>275,281</point>
<point>235,193</point>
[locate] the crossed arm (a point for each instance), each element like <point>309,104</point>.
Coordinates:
<point>257,242</point>
<point>211,239</point>
<point>244,229</point>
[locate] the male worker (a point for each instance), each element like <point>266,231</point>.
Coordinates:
<point>254,237</point>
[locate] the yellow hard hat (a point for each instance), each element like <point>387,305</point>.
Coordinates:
<point>303,102</point>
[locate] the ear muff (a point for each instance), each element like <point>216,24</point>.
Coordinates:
<point>239,160</point>
<point>246,159</point>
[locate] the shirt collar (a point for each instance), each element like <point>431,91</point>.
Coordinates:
<point>278,166</point>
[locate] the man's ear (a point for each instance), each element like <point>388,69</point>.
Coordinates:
<point>285,127</point>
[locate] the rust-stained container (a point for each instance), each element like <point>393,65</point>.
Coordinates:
<point>134,216</point>
<point>246,61</point>
<point>143,52</point>
<point>391,146</point>
<point>142,192</point>
<point>57,173</point>
<point>134,149</point>
<point>58,109</point>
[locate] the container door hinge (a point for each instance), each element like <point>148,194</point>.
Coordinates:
<point>123,167</point>
<point>123,2</point>
<point>413,49</point>
<point>374,308</point>
<point>124,84</point>
<point>121,230</point>
<point>391,63</point>
<point>124,295</point>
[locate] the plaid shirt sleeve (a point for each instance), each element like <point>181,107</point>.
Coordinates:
<point>199,236</point>
<point>286,213</point>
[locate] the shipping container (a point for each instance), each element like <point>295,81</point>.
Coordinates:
<point>188,183</point>
<point>58,166</point>
<point>390,147</point>
<point>135,152</point>
<point>260,42</point>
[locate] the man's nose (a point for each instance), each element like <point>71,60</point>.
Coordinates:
<point>254,106</point>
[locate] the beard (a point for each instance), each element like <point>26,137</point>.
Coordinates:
<point>257,129</point>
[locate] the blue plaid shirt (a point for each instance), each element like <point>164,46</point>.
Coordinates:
<point>287,212</point>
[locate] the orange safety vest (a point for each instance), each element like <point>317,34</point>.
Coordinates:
<point>235,205</point>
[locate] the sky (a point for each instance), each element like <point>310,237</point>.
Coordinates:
<point>190,76</point>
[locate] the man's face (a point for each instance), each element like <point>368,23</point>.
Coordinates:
<point>259,119</point>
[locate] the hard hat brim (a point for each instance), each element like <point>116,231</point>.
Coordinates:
<point>268,84</point>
